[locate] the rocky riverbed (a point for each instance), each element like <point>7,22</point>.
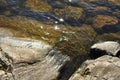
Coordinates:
<point>51,39</point>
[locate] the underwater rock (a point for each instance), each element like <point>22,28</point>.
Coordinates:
<point>102,20</point>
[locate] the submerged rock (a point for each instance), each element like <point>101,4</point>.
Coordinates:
<point>101,20</point>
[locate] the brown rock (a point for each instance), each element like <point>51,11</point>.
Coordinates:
<point>101,20</point>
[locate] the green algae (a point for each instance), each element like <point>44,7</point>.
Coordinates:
<point>79,42</point>
<point>69,40</point>
<point>22,27</point>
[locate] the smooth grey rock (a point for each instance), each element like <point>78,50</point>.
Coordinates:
<point>24,50</point>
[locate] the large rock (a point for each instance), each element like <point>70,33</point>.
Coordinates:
<point>23,50</point>
<point>103,68</point>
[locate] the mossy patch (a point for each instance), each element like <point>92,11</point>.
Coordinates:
<point>72,41</point>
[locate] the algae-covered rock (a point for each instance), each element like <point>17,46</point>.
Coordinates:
<point>69,40</point>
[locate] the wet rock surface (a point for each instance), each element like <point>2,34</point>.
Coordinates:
<point>51,39</point>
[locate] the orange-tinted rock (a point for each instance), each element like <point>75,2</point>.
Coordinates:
<point>102,20</point>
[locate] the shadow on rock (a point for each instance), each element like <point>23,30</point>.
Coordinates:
<point>70,67</point>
